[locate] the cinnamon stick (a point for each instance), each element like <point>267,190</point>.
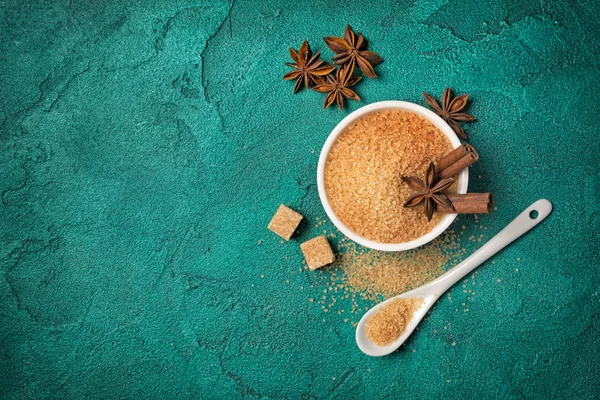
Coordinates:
<point>455,161</point>
<point>469,203</point>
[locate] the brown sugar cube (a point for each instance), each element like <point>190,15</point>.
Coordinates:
<point>284,222</point>
<point>317,252</point>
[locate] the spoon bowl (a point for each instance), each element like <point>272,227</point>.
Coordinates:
<point>372,349</point>
<point>431,292</point>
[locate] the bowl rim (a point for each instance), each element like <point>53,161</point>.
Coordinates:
<point>463,176</point>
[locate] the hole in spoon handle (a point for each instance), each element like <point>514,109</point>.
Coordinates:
<point>530,217</point>
<point>519,226</point>
<point>536,212</point>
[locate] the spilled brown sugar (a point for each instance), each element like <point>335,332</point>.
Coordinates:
<point>363,170</point>
<point>361,277</point>
<point>388,323</point>
<point>377,274</point>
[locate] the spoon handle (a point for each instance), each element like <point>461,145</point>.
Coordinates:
<point>533,215</point>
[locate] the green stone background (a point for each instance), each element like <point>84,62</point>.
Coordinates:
<point>146,144</point>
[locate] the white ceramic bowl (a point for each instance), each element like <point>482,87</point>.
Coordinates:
<point>463,177</point>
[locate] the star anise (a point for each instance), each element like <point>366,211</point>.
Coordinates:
<point>339,87</point>
<point>450,110</point>
<point>308,68</point>
<point>352,50</point>
<point>429,191</point>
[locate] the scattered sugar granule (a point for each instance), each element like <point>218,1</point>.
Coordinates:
<point>284,222</point>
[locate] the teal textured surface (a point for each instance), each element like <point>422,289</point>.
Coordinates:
<point>146,145</point>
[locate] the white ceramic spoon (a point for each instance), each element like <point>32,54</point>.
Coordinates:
<point>430,292</point>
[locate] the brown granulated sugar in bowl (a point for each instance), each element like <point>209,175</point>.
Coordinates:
<point>364,167</point>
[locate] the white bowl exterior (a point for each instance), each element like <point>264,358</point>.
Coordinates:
<point>463,177</point>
